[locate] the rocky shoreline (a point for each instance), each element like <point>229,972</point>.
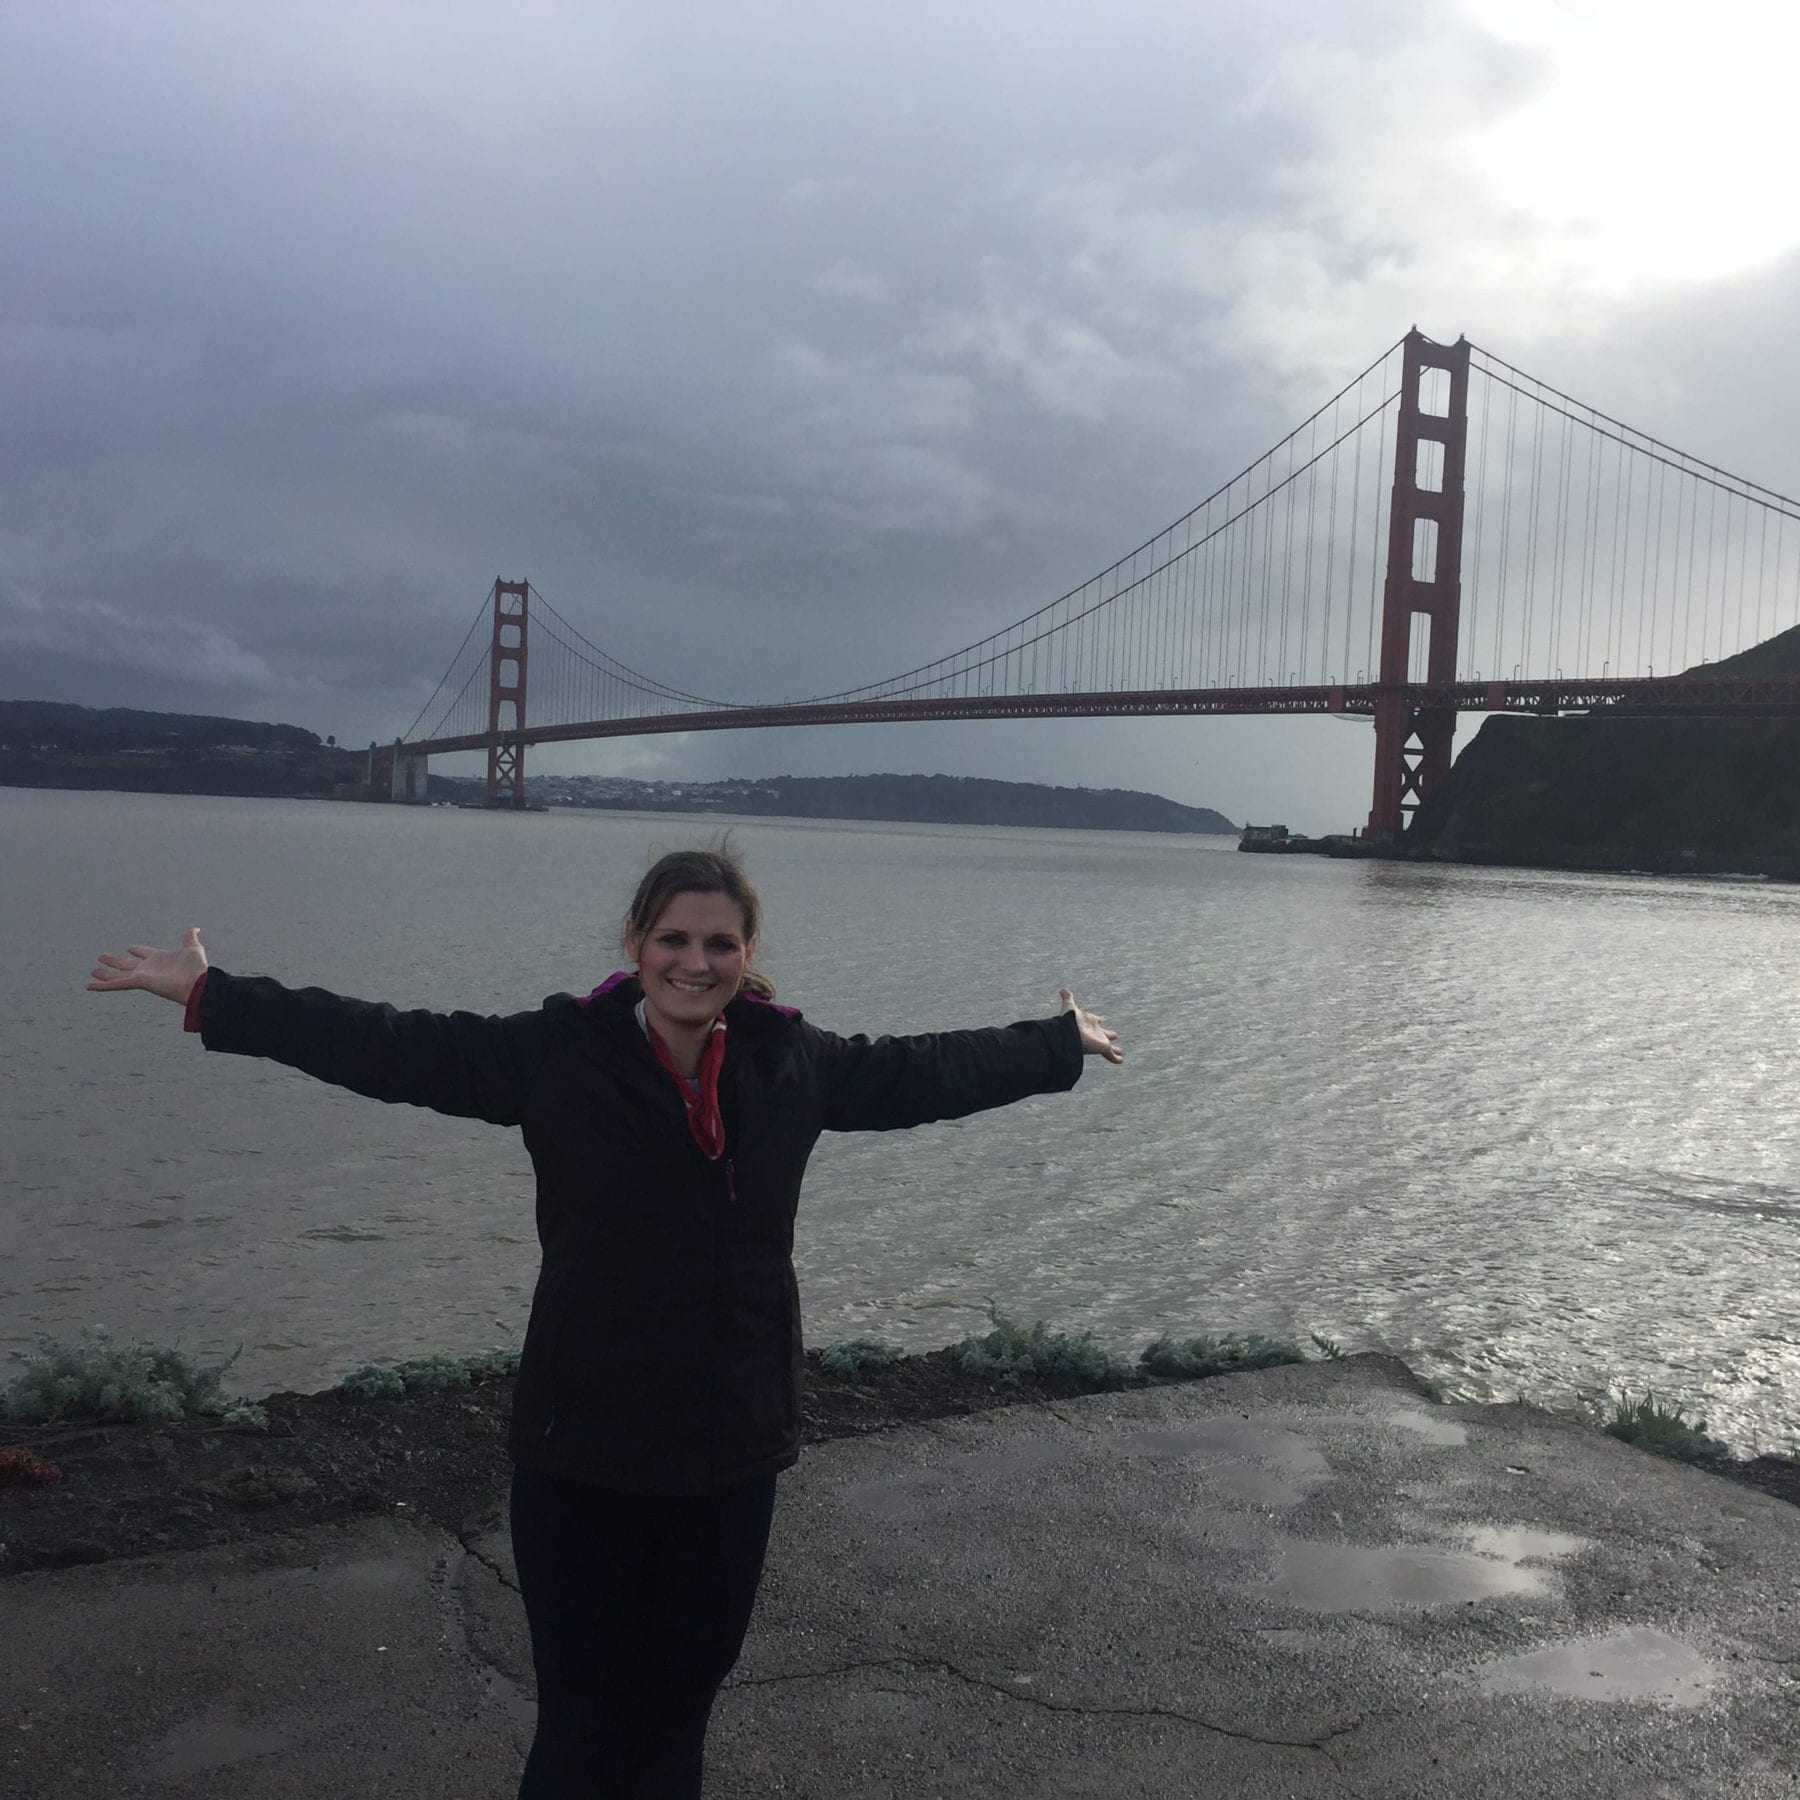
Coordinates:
<point>134,1490</point>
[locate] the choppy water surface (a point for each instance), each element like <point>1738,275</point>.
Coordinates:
<point>1535,1133</point>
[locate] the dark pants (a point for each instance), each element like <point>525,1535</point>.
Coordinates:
<point>638,1605</point>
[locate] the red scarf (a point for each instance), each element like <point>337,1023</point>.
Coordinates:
<point>703,1116</point>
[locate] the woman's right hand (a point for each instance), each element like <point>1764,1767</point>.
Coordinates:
<point>171,973</point>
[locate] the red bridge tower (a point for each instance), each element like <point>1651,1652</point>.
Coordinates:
<point>507,659</point>
<point>1424,577</point>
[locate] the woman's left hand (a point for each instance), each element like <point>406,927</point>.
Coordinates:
<point>1096,1039</point>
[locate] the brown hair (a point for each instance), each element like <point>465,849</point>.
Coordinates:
<point>713,871</point>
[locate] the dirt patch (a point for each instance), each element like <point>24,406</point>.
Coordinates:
<point>129,1490</point>
<point>1776,1475</point>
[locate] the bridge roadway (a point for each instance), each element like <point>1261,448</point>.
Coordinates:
<point>1679,696</point>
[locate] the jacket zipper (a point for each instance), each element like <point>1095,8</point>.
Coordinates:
<point>731,1194</point>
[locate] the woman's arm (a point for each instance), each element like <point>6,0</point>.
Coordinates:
<point>889,1083</point>
<point>458,1063</point>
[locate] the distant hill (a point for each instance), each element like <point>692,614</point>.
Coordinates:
<point>28,724</point>
<point>920,799</point>
<point>45,743</point>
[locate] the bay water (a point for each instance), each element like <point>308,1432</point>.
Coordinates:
<point>1535,1133</point>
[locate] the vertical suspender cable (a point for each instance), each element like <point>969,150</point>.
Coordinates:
<point>1762,569</point>
<point>1312,497</point>
<point>1647,625</point>
<point>1780,546</point>
<point>1622,532</point>
<point>1725,542</point>
<point>1712,517</point>
<point>1677,587</point>
<point>1487,394</point>
<point>1287,566</point>
<point>1506,494</point>
<point>1584,604</point>
<point>1559,534</point>
<point>1531,538</point>
<point>1615,580</point>
<point>1374,674</point>
<point>1743,571</point>
<point>1330,560</point>
<point>1356,445</point>
<point>1268,570</point>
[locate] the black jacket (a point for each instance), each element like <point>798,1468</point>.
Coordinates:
<point>663,1351</point>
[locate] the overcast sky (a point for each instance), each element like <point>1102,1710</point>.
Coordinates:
<point>786,346</point>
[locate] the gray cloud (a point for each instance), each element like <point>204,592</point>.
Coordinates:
<point>781,347</point>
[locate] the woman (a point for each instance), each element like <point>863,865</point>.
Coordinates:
<point>669,1115</point>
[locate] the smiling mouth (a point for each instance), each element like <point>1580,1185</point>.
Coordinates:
<point>688,987</point>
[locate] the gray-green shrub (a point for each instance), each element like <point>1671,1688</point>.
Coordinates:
<point>428,1374</point>
<point>850,1357</point>
<point>1210,1354</point>
<point>1009,1350</point>
<point>94,1376</point>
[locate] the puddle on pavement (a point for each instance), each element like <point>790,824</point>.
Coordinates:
<point>1639,1663</point>
<point>1326,1577</point>
<point>213,1740</point>
<point>1261,1465</point>
<point>1445,1433</point>
<point>1523,1543</point>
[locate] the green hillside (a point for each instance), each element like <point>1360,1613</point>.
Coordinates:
<point>1593,791</point>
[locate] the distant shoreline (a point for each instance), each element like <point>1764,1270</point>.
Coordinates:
<point>872,799</point>
<point>50,744</point>
<point>660,806</point>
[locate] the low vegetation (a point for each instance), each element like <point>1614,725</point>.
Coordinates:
<point>428,1374</point>
<point>1209,1354</point>
<point>1663,1428</point>
<point>1009,1350</point>
<point>849,1358</point>
<point>94,1376</point>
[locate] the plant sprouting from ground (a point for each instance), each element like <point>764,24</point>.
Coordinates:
<point>1662,1428</point>
<point>1009,1350</point>
<point>1210,1354</point>
<point>428,1374</point>
<point>23,1468</point>
<point>1329,1348</point>
<point>848,1358</point>
<point>97,1377</point>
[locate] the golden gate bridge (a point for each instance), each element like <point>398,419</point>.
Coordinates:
<point>1446,534</point>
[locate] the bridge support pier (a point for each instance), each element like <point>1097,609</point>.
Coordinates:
<point>1424,579</point>
<point>407,782</point>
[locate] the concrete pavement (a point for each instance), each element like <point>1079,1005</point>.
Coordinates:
<point>1299,1582</point>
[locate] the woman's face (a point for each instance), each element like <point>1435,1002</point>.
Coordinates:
<point>691,962</point>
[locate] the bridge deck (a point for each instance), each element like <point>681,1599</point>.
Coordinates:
<point>1689,696</point>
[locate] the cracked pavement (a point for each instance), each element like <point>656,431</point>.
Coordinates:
<point>1296,1582</point>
